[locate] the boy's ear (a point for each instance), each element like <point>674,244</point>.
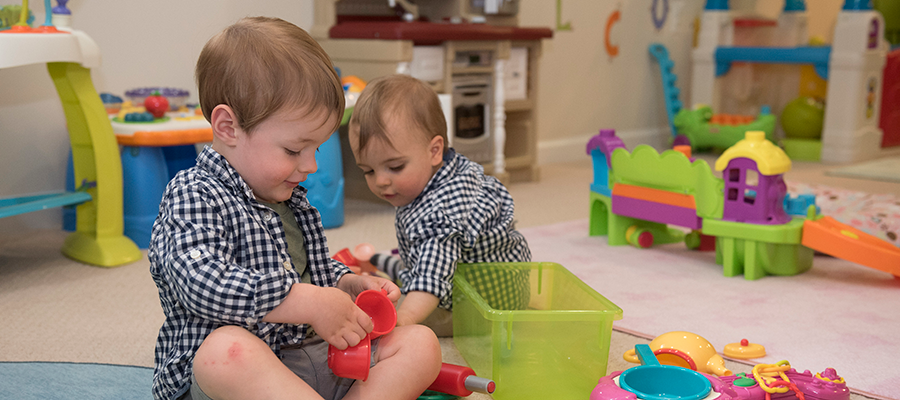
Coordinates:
<point>224,124</point>
<point>436,150</point>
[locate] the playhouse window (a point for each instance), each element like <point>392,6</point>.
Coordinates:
<point>749,196</point>
<point>751,178</point>
<point>734,175</point>
<point>732,194</point>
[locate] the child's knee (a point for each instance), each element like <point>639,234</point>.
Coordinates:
<point>421,339</point>
<point>227,347</point>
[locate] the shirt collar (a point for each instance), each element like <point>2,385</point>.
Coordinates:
<point>216,164</point>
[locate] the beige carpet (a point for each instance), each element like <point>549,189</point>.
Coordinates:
<point>54,309</point>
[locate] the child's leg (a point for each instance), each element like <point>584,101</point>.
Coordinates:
<point>409,359</point>
<point>388,264</point>
<point>232,363</point>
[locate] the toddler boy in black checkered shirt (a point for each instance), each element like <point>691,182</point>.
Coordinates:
<point>238,254</point>
<point>448,210</point>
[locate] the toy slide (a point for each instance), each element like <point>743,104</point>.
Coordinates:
<point>700,126</point>
<point>831,237</point>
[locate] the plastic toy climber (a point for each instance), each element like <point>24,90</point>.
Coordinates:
<point>69,55</point>
<point>636,196</point>
<point>700,128</point>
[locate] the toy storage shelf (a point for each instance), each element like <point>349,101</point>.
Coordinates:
<point>98,238</point>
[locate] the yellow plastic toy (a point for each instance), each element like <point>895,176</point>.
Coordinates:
<point>687,350</point>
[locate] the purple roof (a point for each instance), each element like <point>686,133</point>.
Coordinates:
<point>606,141</point>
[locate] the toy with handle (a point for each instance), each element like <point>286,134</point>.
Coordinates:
<point>654,381</point>
<point>460,381</point>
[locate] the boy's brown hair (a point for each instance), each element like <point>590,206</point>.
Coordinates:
<point>403,96</point>
<point>260,65</point>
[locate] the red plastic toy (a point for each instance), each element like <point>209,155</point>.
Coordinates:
<point>156,104</point>
<point>461,381</point>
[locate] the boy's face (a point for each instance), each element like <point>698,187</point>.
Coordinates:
<point>398,172</point>
<point>281,152</point>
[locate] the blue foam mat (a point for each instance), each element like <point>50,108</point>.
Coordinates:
<point>60,380</point>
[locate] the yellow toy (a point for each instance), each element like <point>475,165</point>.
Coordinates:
<point>687,350</point>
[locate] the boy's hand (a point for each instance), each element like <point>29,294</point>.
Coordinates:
<point>356,284</point>
<point>337,319</point>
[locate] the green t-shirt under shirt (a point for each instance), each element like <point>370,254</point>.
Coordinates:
<point>294,238</point>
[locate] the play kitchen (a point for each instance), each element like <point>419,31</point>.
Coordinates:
<point>473,50</point>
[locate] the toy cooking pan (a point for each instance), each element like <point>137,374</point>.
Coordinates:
<point>654,381</point>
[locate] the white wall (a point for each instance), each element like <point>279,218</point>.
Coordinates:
<point>582,89</point>
<point>143,43</point>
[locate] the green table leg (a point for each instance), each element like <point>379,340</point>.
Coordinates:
<point>98,238</point>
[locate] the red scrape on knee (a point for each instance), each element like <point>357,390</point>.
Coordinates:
<point>234,352</point>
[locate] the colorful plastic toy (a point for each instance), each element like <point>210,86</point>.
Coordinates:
<point>852,65</point>
<point>778,381</point>
<point>684,349</point>
<point>635,196</point>
<point>654,381</point>
<point>357,260</point>
<point>461,381</point>
<point>744,350</point>
<point>700,127</point>
<point>98,238</point>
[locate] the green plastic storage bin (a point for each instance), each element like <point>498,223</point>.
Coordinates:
<point>534,328</point>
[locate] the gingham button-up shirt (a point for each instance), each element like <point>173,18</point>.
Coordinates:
<point>461,216</point>
<point>219,257</point>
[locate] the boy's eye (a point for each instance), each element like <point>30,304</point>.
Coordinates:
<point>291,152</point>
<point>398,168</point>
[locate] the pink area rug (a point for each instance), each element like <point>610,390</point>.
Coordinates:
<point>837,314</point>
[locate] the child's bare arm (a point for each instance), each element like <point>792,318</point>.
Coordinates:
<point>330,311</point>
<point>416,307</point>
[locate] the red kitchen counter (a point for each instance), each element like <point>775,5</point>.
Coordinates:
<point>433,32</point>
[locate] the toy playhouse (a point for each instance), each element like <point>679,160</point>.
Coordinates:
<point>744,54</point>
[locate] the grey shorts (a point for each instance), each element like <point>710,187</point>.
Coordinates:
<point>309,361</point>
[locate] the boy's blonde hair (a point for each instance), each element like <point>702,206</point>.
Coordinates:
<point>260,65</point>
<point>400,95</point>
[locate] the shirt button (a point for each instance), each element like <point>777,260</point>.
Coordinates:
<point>249,321</point>
<point>287,265</point>
<point>195,254</point>
<point>268,216</point>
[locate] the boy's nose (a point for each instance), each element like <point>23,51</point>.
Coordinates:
<point>308,166</point>
<point>382,180</point>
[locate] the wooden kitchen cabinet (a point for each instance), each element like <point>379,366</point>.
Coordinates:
<point>371,47</point>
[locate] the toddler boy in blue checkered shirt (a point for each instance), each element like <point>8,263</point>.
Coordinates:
<point>448,210</point>
<point>238,254</point>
